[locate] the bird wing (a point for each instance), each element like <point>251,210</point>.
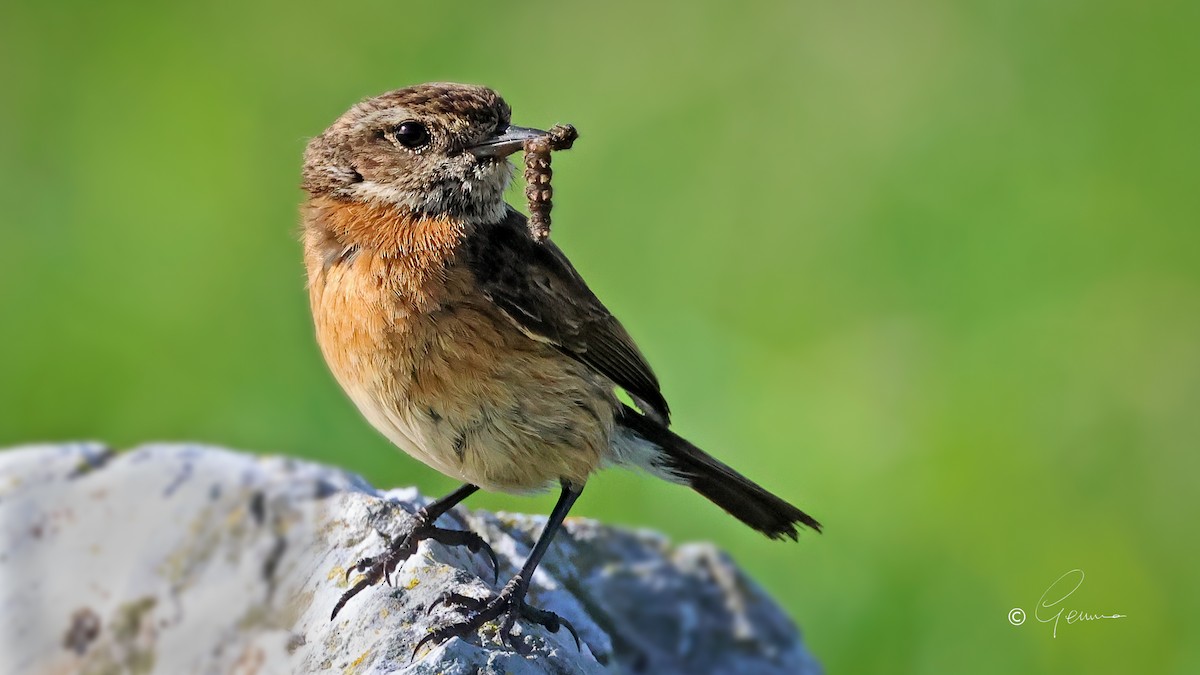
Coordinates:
<point>537,288</point>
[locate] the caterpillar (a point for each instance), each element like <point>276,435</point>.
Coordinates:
<point>538,191</point>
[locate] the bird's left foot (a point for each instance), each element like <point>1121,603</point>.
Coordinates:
<point>509,604</point>
<point>401,548</point>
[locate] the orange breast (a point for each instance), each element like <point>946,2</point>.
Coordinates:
<point>436,368</point>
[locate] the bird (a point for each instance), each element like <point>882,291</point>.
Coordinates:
<point>472,345</point>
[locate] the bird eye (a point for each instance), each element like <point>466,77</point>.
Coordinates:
<point>411,134</point>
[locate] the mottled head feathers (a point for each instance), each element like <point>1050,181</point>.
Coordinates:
<point>409,148</point>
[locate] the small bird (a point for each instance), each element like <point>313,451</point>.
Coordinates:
<point>471,345</point>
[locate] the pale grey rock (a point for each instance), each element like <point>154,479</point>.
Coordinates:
<point>188,559</point>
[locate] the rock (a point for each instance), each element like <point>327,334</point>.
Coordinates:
<point>189,559</point>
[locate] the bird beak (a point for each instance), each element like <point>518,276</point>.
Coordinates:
<point>505,144</point>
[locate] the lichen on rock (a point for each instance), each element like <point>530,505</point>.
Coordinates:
<point>185,558</point>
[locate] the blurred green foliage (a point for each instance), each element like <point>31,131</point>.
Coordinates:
<point>930,270</point>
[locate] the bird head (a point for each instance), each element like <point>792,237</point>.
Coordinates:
<point>435,150</point>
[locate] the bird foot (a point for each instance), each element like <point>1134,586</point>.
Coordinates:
<point>402,547</point>
<point>509,604</point>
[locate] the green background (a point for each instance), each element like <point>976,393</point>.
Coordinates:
<point>930,270</point>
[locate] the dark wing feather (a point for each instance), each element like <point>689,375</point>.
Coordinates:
<point>536,287</point>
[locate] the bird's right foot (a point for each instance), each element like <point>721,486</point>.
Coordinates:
<point>509,606</point>
<point>401,547</point>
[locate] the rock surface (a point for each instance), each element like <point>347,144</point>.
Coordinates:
<point>190,559</point>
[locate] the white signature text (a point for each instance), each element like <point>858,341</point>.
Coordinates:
<point>1050,607</point>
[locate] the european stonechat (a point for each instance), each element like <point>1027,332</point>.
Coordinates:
<point>473,345</point>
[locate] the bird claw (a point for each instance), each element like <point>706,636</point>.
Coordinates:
<point>507,604</point>
<point>353,591</point>
<point>380,567</point>
<point>472,541</point>
<point>361,566</point>
<point>456,599</point>
<point>550,621</point>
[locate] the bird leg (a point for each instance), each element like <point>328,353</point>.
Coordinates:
<point>509,603</point>
<point>401,547</point>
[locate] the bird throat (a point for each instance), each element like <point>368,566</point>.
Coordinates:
<point>383,230</point>
<point>382,242</point>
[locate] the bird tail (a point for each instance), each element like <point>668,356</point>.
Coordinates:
<point>677,459</point>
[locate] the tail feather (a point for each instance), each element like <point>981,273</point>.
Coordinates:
<point>739,496</point>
